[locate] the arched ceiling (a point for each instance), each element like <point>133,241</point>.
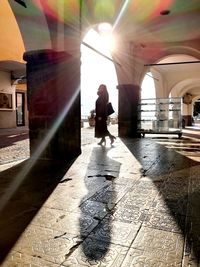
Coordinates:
<point>42,24</point>
<point>191,86</point>
<point>178,63</point>
<point>136,21</point>
<point>11,43</point>
<point>141,19</point>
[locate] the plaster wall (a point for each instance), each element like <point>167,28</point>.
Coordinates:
<point>160,84</point>
<point>7,116</point>
<point>124,64</point>
<point>11,43</point>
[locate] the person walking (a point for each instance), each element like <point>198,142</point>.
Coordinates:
<point>101,130</point>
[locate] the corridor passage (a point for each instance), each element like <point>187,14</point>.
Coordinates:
<point>134,204</point>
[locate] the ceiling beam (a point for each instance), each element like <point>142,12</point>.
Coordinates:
<point>172,63</point>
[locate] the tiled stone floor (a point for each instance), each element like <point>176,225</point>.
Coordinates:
<point>134,204</point>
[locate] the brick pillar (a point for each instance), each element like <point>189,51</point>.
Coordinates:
<point>53,91</point>
<point>128,110</point>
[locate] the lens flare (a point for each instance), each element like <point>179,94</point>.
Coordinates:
<point>36,155</point>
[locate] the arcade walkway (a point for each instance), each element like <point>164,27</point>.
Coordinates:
<point>134,204</point>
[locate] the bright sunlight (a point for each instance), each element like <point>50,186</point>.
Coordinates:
<point>148,87</point>
<point>96,69</point>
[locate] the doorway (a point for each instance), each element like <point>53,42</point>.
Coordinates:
<point>97,68</point>
<point>20,100</point>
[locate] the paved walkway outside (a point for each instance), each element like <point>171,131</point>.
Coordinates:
<point>134,204</point>
<point>14,146</point>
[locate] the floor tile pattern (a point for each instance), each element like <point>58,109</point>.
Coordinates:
<point>133,204</point>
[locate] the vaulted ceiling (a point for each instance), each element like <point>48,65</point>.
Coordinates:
<point>159,31</point>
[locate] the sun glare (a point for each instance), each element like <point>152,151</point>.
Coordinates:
<point>102,39</point>
<point>107,42</point>
<point>106,37</point>
<point>104,27</point>
<point>148,87</point>
<point>97,69</point>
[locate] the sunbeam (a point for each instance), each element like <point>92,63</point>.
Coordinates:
<point>122,10</point>
<point>30,163</point>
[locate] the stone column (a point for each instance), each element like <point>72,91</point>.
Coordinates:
<point>53,91</point>
<point>128,110</point>
<point>186,120</point>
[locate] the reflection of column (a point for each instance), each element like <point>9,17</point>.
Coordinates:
<point>128,109</point>
<point>53,81</point>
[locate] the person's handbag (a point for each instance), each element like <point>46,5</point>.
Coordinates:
<point>110,109</point>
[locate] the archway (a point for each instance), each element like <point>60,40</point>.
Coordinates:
<point>148,86</point>
<point>96,68</point>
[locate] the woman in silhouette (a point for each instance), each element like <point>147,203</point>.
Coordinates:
<point>101,130</point>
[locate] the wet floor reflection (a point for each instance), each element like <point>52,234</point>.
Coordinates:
<point>177,179</point>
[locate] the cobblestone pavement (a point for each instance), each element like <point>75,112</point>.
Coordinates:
<point>14,146</point>
<point>134,204</point>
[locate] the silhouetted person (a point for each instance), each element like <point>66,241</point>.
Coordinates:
<point>101,130</point>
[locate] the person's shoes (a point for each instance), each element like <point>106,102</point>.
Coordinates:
<point>112,139</point>
<point>102,142</point>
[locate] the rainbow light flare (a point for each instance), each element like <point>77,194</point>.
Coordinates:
<point>147,10</point>
<point>20,177</point>
<point>63,10</point>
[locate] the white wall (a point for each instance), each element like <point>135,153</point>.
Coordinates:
<point>7,116</point>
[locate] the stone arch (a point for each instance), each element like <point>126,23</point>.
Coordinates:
<point>165,53</point>
<point>32,25</point>
<point>10,37</point>
<point>196,98</point>
<point>190,51</point>
<point>52,48</point>
<point>190,54</point>
<point>175,50</point>
<point>184,86</point>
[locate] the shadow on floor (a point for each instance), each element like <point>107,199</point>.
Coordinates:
<point>177,179</point>
<point>23,192</point>
<point>99,180</point>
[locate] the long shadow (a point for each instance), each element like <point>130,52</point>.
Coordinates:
<point>23,193</point>
<point>100,182</point>
<point>177,179</point>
